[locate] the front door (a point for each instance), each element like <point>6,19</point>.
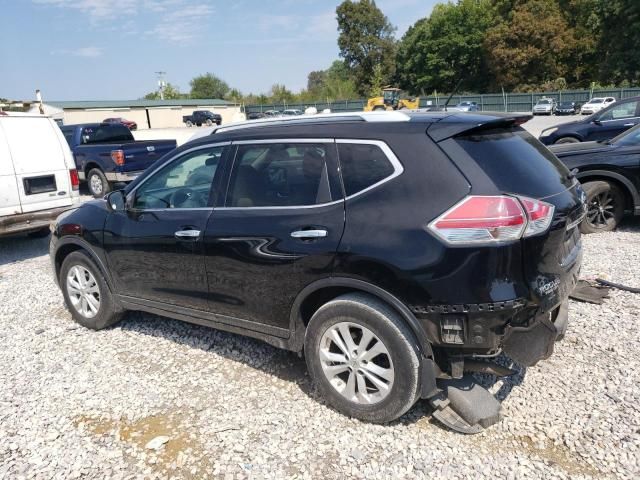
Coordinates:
<point>616,120</point>
<point>278,231</point>
<point>155,247</point>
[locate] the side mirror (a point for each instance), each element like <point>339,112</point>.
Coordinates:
<point>596,122</point>
<point>116,201</point>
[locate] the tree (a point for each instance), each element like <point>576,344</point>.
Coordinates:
<point>316,79</point>
<point>531,47</point>
<point>619,42</point>
<point>208,86</point>
<point>446,47</point>
<point>235,95</point>
<point>365,40</point>
<point>170,92</point>
<point>280,94</point>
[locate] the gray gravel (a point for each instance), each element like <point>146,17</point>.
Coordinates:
<point>156,398</point>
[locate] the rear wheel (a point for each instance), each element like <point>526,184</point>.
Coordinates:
<point>566,140</point>
<point>209,122</point>
<point>363,358</point>
<point>605,207</point>
<point>98,183</point>
<point>189,123</point>
<point>86,292</point>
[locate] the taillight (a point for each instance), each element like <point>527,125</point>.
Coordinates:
<point>75,181</point>
<point>117,156</point>
<point>492,219</point>
<point>539,215</point>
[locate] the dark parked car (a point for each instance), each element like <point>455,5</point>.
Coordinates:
<point>130,124</point>
<point>568,108</point>
<point>202,117</point>
<point>107,153</point>
<point>255,115</point>
<point>610,174</point>
<point>396,273</point>
<point>603,125</point>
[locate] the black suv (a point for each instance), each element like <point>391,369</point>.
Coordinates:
<point>397,251</point>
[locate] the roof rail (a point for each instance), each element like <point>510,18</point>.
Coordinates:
<point>384,116</point>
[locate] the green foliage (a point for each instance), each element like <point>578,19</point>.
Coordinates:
<point>446,47</point>
<point>365,40</point>
<point>208,86</point>
<point>171,92</point>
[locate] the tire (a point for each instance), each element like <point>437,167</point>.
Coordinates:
<point>605,207</point>
<point>98,184</point>
<point>189,123</point>
<point>399,362</point>
<point>209,123</point>
<point>76,265</point>
<point>40,233</point>
<point>566,140</point>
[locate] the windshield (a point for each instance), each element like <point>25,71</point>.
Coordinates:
<point>566,105</point>
<point>628,138</point>
<point>544,102</point>
<point>596,100</point>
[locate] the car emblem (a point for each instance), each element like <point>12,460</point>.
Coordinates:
<point>151,148</point>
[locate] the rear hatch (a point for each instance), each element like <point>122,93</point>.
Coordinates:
<point>140,155</point>
<point>506,160</point>
<point>42,180</point>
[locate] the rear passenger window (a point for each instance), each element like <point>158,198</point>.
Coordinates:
<point>363,165</point>
<point>283,175</point>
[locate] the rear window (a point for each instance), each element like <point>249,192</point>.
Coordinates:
<point>106,134</point>
<point>516,162</point>
<point>362,166</point>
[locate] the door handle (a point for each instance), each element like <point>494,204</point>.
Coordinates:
<point>309,234</point>
<point>188,234</point>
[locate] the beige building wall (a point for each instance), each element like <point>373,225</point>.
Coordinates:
<point>160,117</point>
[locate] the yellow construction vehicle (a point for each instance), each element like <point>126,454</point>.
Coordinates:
<point>390,100</point>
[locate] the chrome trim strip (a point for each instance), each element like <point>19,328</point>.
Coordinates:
<point>283,140</point>
<point>335,202</point>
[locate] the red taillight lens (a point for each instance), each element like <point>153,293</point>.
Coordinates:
<point>117,156</point>
<point>75,181</point>
<point>539,214</point>
<point>492,219</point>
<point>481,220</point>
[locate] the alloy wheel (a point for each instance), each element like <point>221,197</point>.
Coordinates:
<point>356,363</point>
<point>601,210</point>
<point>96,184</point>
<point>83,291</point>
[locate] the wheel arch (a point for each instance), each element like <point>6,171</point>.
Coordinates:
<point>321,291</point>
<point>74,244</point>
<point>631,194</point>
<point>90,166</point>
<point>577,136</point>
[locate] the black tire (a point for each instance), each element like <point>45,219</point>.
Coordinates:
<point>108,313</point>
<point>566,140</point>
<point>366,311</point>
<point>605,207</point>
<point>41,233</point>
<point>97,183</point>
<point>209,122</point>
<point>189,123</point>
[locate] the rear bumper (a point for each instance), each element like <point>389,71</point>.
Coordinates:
<point>122,176</point>
<point>27,222</point>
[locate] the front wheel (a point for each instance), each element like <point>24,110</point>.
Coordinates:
<point>86,292</point>
<point>98,184</point>
<point>605,207</point>
<point>363,358</point>
<point>566,140</point>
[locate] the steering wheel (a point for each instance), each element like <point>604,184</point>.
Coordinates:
<point>185,197</point>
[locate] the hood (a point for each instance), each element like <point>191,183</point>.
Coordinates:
<point>565,149</point>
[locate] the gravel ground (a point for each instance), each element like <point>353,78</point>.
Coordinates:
<point>157,398</point>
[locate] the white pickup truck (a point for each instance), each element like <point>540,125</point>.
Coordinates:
<point>38,177</point>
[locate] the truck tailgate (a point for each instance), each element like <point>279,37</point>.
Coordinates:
<point>142,154</point>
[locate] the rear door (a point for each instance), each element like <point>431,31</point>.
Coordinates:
<point>278,230</point>
<point>42,174</point>
<point>9,194</point>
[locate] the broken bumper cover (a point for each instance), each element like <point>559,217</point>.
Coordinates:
<point>528,345</point>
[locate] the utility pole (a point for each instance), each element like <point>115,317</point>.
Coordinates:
<point>161,83</point>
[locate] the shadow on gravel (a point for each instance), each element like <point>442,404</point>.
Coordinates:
<point>630,224</point>
<point>283,364</point>
<point>19,247</point>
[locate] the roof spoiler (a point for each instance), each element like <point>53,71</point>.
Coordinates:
<point>459,124</point>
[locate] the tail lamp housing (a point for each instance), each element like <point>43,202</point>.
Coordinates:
<point>492,219</point>
<point>118,157</point>
<point>75,180</point>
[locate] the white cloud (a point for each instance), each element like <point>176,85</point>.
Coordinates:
<point>177,21</point>
<point>318,26</point>
<point>87,52</point>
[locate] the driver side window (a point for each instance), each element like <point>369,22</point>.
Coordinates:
<point>184,183</point>
<point>619,112</point>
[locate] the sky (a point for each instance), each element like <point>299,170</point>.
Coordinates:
<point>111,49</point>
